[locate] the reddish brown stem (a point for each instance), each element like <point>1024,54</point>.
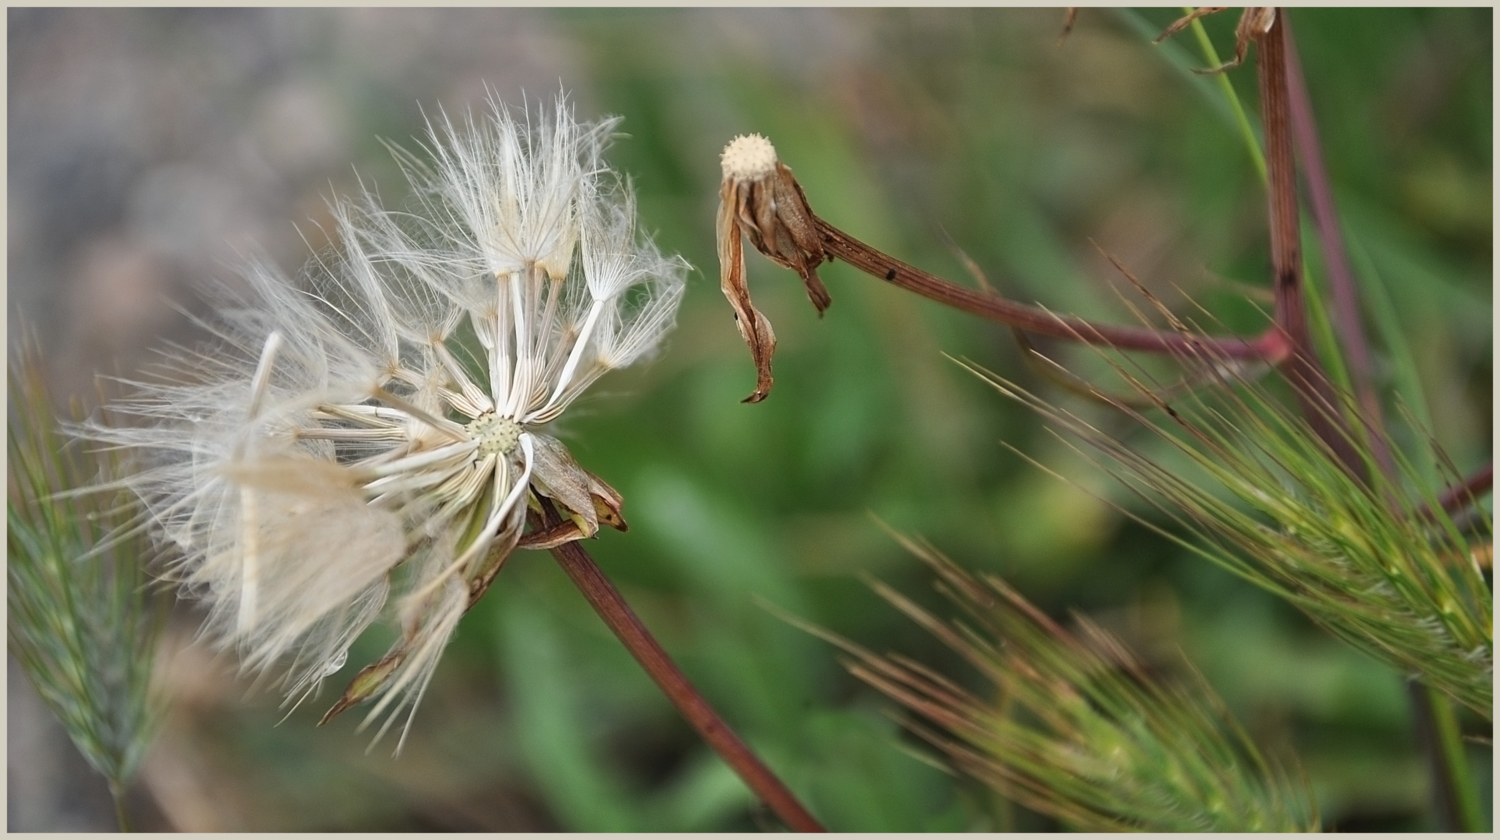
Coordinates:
<point>1271,346</point>
<point>1346,310</point>
<point>611,607</point>
<point>1314,392</point>
<point>1468,493</point>
<point>1284,103</point>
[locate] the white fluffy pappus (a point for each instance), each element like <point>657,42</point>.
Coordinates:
<point>363,442</point>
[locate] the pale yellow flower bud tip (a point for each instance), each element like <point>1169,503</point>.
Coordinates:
<point>748,157</point>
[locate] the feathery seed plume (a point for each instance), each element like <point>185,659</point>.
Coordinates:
<point>366,442</point>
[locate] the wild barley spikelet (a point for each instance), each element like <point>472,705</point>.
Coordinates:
<point>366,442</point>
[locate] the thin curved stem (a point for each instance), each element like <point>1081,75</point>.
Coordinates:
<point>608,603</point>
<point>122,816</point>
<point>1271,346</point>
<point>1252,144</point>
<point>1453,793</point>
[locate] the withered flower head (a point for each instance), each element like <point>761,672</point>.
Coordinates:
<point>762,200</point>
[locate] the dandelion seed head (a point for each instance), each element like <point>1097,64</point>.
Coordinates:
<point>361,440</point>
<point>496,435</point>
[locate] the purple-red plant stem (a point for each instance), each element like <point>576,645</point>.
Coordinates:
<point>1313,389</point>
<point>1271,346</point>
<point>1346,308</point>
<point>611,607</point>
<point>1468,493</point>
<point>1285,103</point>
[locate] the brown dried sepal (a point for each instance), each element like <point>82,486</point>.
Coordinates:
<point>760,200</point>
<point>607,503</point>
<point>563,532</point>
<point>557,475</point>
<point>499,551</point>
<point>774,214</point>
<point>366,684</point>
<point>604,505</point>
<point>584,498</point>
<point>1254,23</point>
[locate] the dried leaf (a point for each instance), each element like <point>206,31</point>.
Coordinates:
<point>498,553</point>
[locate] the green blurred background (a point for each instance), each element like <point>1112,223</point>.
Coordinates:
<point>151,150</point>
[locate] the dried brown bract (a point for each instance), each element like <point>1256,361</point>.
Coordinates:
<point>761,200</point>
<point>1254,23</point>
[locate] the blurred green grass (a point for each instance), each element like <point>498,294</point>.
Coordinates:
<point>904,125</point>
